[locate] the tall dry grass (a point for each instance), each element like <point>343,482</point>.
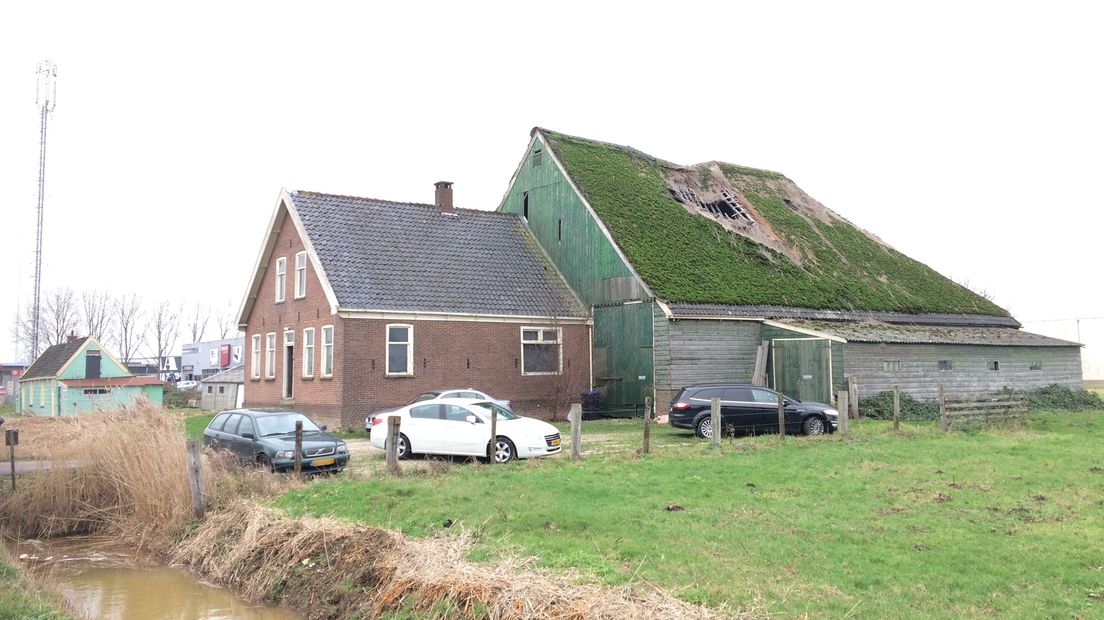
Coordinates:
<point>121,473</point>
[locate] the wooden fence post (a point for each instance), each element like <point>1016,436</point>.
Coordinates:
<point>853,395</point>
<point>896,408</point>
<point>781,415</point>
<point>576,417</point>
<point>494,436</point>
<point>647,424</point>
<point>299,449</point>
<point>195,479</point>
<point>942,410</point>
<point>842,408</point>
<point>715,421</point>
<point>391,445</point>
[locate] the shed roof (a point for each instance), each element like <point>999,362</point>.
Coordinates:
<point>879,331</point>
<point>232,375</point>
<point>786,313</point>
<point>53,358</point>
<point>757,238</point>
<point>409,257</point>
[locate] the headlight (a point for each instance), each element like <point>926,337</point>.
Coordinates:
<point>343,449</point>
<point>285,454</point>
<point>831,413</point>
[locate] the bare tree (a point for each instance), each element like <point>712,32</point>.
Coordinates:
<point>60,315</point>
<point>97,311</point>
<point>165,324</point>
<point>129,330</point>
<point>198,322</point>
<point>226,321</point>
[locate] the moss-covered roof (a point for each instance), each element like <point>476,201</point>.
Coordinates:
<point>797,253</point>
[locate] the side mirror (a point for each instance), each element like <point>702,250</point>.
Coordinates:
<point>247,436</point>
<point>323,427</point>
<point>472,419</point>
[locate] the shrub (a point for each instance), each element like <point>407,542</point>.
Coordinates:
<point>177,398</point>
<point>880,406</point>
<point>1058,397</point>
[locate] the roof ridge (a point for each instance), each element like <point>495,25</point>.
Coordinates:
<point>383,201</point>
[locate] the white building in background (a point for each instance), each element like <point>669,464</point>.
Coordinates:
<point>200,360</point>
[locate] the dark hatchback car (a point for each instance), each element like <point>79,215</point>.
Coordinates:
<point>748,409</point>
<point>267,438</point>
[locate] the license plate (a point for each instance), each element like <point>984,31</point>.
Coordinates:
<point>556,441</point>
<point>321,462</point>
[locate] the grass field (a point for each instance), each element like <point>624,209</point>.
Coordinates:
<point>995,524</point>
<point>20,600</point>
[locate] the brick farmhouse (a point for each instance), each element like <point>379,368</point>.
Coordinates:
<point>358,304</point>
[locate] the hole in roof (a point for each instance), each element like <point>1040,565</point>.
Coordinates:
<point>725,206</point>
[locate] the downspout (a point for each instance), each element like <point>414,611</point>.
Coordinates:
<point>590,351</point>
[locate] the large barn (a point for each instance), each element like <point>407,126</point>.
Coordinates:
<point>720,272</point>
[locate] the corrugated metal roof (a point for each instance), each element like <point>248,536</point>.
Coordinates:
<point>382,255</point>
<point>697,311</point>
<point>52,359</point>
<point>877,331</point>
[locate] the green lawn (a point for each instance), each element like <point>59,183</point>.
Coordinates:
<point>19,600</point>
<point>194,425</point>
<point>1007,523</point>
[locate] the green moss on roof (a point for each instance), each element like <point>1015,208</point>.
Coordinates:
<point>689,258</point>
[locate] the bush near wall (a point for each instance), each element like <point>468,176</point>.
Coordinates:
<point>1050,398</point>
<point>177,399</point>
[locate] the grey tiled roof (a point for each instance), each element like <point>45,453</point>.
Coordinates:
<point>382,255</point>
<point>692,311</point>
<point>877,331</point>
<point>232,375</point>
<point>49,363</point>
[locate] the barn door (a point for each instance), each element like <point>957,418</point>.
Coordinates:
<point>802,368</point>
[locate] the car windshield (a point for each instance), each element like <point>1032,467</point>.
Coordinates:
<point>504,413</point>
<point>283,423</point>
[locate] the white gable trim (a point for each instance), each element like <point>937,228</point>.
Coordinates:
<point>285,209</point>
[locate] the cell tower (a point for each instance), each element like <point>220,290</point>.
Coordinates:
<point>46,99</point>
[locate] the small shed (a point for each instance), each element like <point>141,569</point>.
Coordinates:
<point>80,375</point>
<point>224,390</point>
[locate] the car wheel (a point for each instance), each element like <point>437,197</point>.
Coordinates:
<point>814,426</point>
<point>264,462</point>
<point>704,428</point>
<point>504,451</point>
<point>404,447</point>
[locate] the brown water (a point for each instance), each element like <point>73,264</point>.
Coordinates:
<point>100,580</point>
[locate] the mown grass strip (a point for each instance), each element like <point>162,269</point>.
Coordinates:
<point>994,524</point>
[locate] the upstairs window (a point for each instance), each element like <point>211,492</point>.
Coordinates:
<point>400,349</point>
<point>300,275</point>
<point>540,351</point>
<point>525,206</point>
<point>536,158</point>
<point>281,279</point>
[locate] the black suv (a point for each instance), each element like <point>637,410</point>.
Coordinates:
<point>747,409</point>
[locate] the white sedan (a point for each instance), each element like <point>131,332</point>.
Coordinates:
<point>462,426</point>
<point>437,395</point>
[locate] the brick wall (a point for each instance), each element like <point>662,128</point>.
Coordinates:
<point>317,396</point>
<point>447,354</point>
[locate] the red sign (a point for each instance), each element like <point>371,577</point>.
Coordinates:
<point>16,372</point>
<point>3,390</point>
<point>224,355</point>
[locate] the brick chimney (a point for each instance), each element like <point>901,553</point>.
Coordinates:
<point>443,196</point>
<point>72,336</point>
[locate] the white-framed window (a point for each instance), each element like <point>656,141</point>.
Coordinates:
<point>281,279</point>
<point>327,350</point>
<point>541,353</point>
<point>255,357</point>
<point>400,349</point>
<point>300,275</point>
<point>270,355</point>
<point>308,352</point>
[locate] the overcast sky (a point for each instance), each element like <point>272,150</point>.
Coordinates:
<point>967,135</point>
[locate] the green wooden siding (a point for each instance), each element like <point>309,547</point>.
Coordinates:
<point>590,263</point>
<point>80,400</point>
<point>770,333</point>
<point>108,367</point>
<point>565,228</point>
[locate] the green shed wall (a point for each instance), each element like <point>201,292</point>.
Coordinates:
<point>770,332</point>
<point>588,260</point>
<point>108,367</point>
<point>74,400</point>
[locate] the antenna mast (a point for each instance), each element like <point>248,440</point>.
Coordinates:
<point>46,98</point>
